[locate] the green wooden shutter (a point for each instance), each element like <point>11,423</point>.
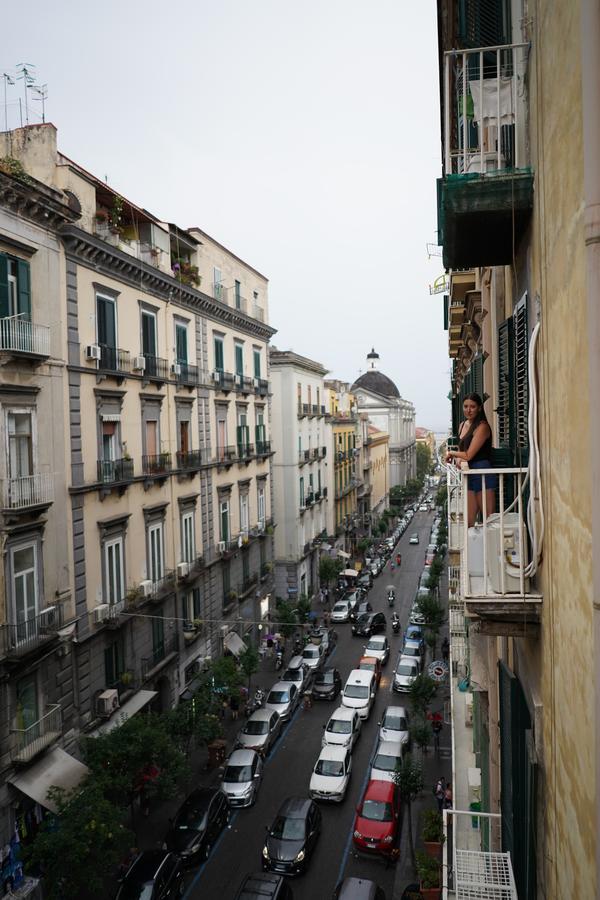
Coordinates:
<point>23,287</point>
<point>446,310</point>
<point>3,286</point>
<point>196,602</point>
<point>505,408</point>
<point>181,343</point>
<point>239,360</point>
<point>219,355</point>
<point>521,381</point>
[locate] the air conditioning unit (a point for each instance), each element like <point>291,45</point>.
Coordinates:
<point>107,702</point>
<point>47,617</point>
<point>176,369</point>
<point>92,351</point>
<point>502,551</point>
<point>100,613</point>
<point>261,526</point>
<point>139,363</point>
<point>238,380</point>
<point>256,382</point>
<point>146,588</point>
<point>183,570</point>
<point>222,546</point>
<point>216,376</point>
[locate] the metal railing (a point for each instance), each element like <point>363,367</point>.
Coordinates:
<point>226,455</point>
<point>245,451</point>
<point>263,448</point>
<point>247,584</point>
<point>19,639</point>
<point>114,359</point>
<point>18,335</point>
<point>112,470</point>
<point>262,388</point>
<point>156,464</point>
<point>187,374</point>
<point>301,411</point>
<point>485,109</point>
<point>306,409</point>
<point>158,655</point>
<point>165,584</point>
<point>189,459</point>
<point>31,740</point>
<point>258,312</point>
<point>156,367</point>
<point>30,490</point>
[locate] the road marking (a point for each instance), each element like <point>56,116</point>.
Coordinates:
<point>195,880</point>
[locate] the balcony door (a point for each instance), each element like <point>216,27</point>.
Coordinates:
<point>156,552</point>
<point>244,513</point>
<point>20,444</point>
<point>221,438</point>
<point>184,436</point>
<point>114,580</point>
<point>28,709</point>
<point>181,348</point>
<point>152,437</point>
<point>149,341</point>
<point>25,591</point>
<point>261,506</point>
<point>106,329</point>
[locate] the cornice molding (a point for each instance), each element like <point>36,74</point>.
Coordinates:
<point>93,253</point>
<point>35,201</point>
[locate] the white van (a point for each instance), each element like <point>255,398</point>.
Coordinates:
<point>359,692</point>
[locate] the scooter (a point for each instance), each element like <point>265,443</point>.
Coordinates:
<point>396,623</point>
<point>278,660</point>
<point>391,598</point>
<point>298,646</point>
<point>256,702</point>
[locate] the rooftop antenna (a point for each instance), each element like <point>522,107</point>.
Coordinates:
<point>7,80</point>
<point>42,93</point>
<point>27,76</point>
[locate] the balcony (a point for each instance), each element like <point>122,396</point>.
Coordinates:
<point>19,337</point>
<point>303,457</point>
<point>246,586</point>
<point>325,492</point>
<point>30,741</point>
<point>163,585</point>
<point>113,471</point>
<point>485,198</point>
<point>301,412</point>
<point>161,655</point>
<point>263,448</point>
<point>226,456</point>
<point>20,639</point>
<point>261,387</point>
<point>310,499</point>
<point>495,567</point>
<point>157,465</point>
<point>156,368</point>
<point>113,359</point>
<point>189,460</point>
<point>186,374</point>
<point>27,492</point>
<point>306,409</point>
<point>245,452</point>
<point>321,411</point>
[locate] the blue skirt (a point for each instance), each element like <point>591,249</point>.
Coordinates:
<point>475,482</point>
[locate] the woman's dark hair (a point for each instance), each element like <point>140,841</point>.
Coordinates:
<point>480,417</point>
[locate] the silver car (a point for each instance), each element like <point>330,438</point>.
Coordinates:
<point>414,649</point>
<point>378,647</point>
<point>260,731</point>
<point>283,699</point>
<point>298,673</point>
<point>242,777</point>
<point>388,757</point>
<point>313,655</point>
<point>394,725</point>
<point>406,672</point>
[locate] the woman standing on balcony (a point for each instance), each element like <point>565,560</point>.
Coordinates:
<point>475,447</point>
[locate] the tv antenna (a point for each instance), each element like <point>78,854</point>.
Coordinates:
<point>27,76</point>
<point>42,92</point>
<point>433,250</point>
<point>8,79</point>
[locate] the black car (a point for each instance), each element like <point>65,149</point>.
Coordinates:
<point>365,581</point>
<point>292,837</point>
<point>360,610</point>
<point>358,889</point>
<point>368,624</point>
<point>264,886</point>
<point>199,822</point>
<point>327,685</point>
<point>154,874</point>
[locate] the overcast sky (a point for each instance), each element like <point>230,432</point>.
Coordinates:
<point>303,136</point>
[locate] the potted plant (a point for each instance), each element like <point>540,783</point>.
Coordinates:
<point>428,873</point>
<point>189,631</point>
<point>126,678</point>
<point>232,595</point>
<point>432,832</point>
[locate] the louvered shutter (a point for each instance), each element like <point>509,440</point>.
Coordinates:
<point>521,379</point>
<point>23,287</point>
<point>505,408</point>
<point>4,306</point>
<point>482,23</point>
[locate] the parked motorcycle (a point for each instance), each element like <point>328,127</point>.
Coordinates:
<point>278,660</point>
<point>255,702</point>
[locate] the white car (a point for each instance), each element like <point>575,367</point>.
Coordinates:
<point>394,725</point>
<point>313,655</point>
<point>414,538</point>
<point>359,692</point>
<point>406,672</point>
<point>378,647</point>
<point>387,757</point>
<point>423,507</point>
<point>331,774</point>
<point>415,650</point>
<point>341,611</point>
<point>343,728</point>
<point>416,616</point>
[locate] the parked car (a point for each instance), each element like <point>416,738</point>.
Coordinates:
<point>331,774</point>
<point>343,728</point>
<point>198,823</point>
<point>283,698</point>
<point>414,650</point>
<point>416,617</point>
<point>394,725</point>
<point>414,633</point>
<point>242,777</point>
<point>359,692</point>
<point>387,758</point>
<point>360,610</point>
<point>154,873</point>
<point>378,647</point>
<point>365,580</point>
<point>429,557</point>
<point>424,507</point>
<point>371,664</point>
<point>341,611</point>
<point>407,670</point>
<point>297,672</point>
<point>264,886</point>
<point>414,538</point>
<point>324,637</point>
<point>358,889</point>
<point>368,624</point>
<point>376,822</point>
<point>293,836</point>
<point>261,730</point>
<point>313,655</point>
<point>327,685</point>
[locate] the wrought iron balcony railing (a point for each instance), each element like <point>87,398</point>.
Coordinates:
<point>18,335</point>
<point>114,470</point>
<point>22,637</point>
<point>114,359</point>
<point>29,490</point>
<point>36,737</point>
<point>189,459</point>
<point>156,464</point>
<point>156,367</point>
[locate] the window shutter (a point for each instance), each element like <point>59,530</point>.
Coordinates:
<point>181,344</point>
<point>219,355</point>
<point>521,378</point>
<point>3,286</point>
<point>482,23</point>
<point>505,408</point>
<point>196,602</point>
<point>23,284</point>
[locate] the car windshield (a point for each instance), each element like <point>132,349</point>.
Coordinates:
<point>405,669</point>
<point>311,653</point>
<point>377,811</point>
<point>330,767</point>
<point>136,890</point>
<point>339,726</point>
<point>292,675</point>
<point>237,774</point>
<point>285,829</point>
<point>368,664</point>
<point>395,722</point>
<point>340,607</point>
<point>362,619</point>
<point>278,697</point>
<point>253,727</point>
<point>375,645</point>
<point>385,763</point>
<point>324,678</point>
<point>356,691</point>
<point>191,820</point>
<point>411,651</point>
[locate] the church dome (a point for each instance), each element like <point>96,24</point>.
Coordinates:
<point>374,380</point>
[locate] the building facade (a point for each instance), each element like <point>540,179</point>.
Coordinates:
<point>378,397</point>
<point>345,453</point>
<point>303,471</point>
<point>518,222</point>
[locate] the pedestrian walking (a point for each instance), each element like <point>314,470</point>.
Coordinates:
<point>447,797</point>
<point>224,706</point>
<point>326,618</point>
<point>234,706</point>
<point>439,792</point>
<point>445,649</point>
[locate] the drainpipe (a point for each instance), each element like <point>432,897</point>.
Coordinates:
<point>590,67</point>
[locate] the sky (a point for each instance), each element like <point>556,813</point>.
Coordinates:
<point>302,136</point>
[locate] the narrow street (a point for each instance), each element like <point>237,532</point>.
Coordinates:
<point>288,769</point>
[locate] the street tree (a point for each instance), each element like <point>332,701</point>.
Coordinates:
<point>249,661</point>
<point>286,618</point>
<point>420,731</point>
<point>420,693</point>
<point>432,611</point>
<point>81,844</point>
<point>225,675</point>
<point>303,609</point>
<point>196,721</point>
<point>409,779</point>
<point>423,461</point>
<point>329,569</point>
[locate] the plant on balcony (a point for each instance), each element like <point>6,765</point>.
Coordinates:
<point>432,832</point>
<point>428,873</point>
<point>101,217</point>
<point>115,215</point>
<point>270,529</point>
<point>231,596</point>
<point>133,595</point>
<point>14,167</point>
<point>185,272</point>
<point>126,678</point>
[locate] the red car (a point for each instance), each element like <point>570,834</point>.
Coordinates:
<point>372,664</point>
<point>377,818</point>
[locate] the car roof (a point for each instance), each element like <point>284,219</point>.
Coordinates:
<point>295,807</point>
<point>411,642</point>
<point>295,662</point>
<point>394,710</point>
<point>310,647</point>
<point>333,751</point>
<point>242,757</point>
<point>148,863</point>
<point>370,659</point>
<point>359,676</point>
<point>343,712</point>
<point>259,884</point>
<point>200,798</point>
<point>329,670</point>
<point>392,748</point>
<point>407,659</point>
<point>379,790</point>
<point>281,686</point>
<point>378,638</point>
<point>259,715</point>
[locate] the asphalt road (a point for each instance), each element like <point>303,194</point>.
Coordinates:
<point>289,766</point>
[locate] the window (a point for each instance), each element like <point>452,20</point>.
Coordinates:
<point>114,580</point>
<point>219,354</point>
<point>183,436</point>
<point>151,437</point>
<point>261,436</point>
<point>319,479</point>
<point>114,663</point>
<point>243,434</point>
<point>190,605</point>
<point>224,519</point>
<point>149,343</point>
<point>28,712</point>
<point>181,348</point>
<point>238,295</point>
<point>239,358</point>
<point>188,537</point>
<point>158,638</point>
<point>106,331</point>
<point>299,393</point>
<point>319,399</point>
<point>261,505</point>
<point>244,513</point>
<point>301,491</point>
<point>15,293</point>
<point>20,443</point>
<point>226,582</point>
<point>156,565</point>
<point>513,375</point>
<point>256,356</point>
<point>24,587</point>
<point>245,567</point>
<point>217,284</point>
<point>309,390</point>
<point>221,433</point>
<point>109,441</point>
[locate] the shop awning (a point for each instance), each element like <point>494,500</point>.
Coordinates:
<point>55,769</point>
<point>129,709</point>
<point>343,554</point>
<point>233,642</point>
